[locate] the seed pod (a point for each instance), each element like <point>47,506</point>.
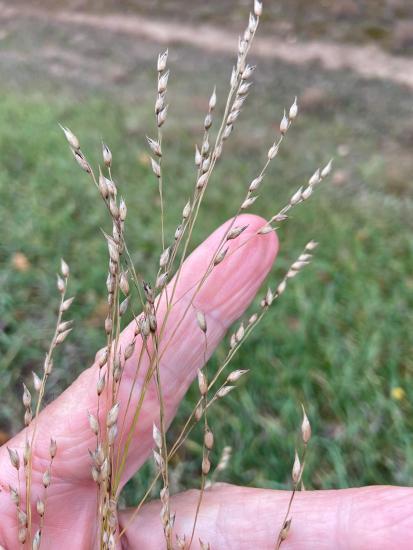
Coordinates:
<point>186,211</point>
<point>123,283</point>
<point>273,151</point>
<point>327,169</point>
<point>157,436</point>
<point>248,202</point>
<point>48,365</point>
<point>227,131</point>
<point>202,181</point>
<point>315,178</point>
<point>64,326</point>
<point>281,287</point>
<point>107,155</point>
<point>123,306</point>
<point>235,232</point>
<point>232,117</point>
<point>28,416</point>
<point>257,8</point>
<point>293,110</point>
<point>252,23</point>
<point>202,383</point>
<point>46,478</point>
<point>252,319</point>
<point>198,413</point>
<point>206,465</point>
<point>156,168</point>
<point>70,137</point>
<point>208,121</point>
<point>162,59</point>
<point>305,427</point>
<point>22,534</point>
<point>236,375</point>
<point>62,336</point>
<point>81,160</point>
<point>14,458</point>
<point>311,245</point>
<point>296,471</point>
<point>113,191</point>
<point>112,415</point>
<point>308,191</point>
<point>100,385</point>
<point>155,146</point>
<point>52,448</point>
<point>103,188</point>
<point>178,232</point>
<point>93,423</point>
<point>122,210</point>
<point>158,459</point>
<point>145,327</point>
<point>213,100</point>
<point>61,285</point>
<point>64,268</point>
<point>40,507</point>
<point>112,433</point>
<point>243,89</point>
<point>222,392</point>
<point>198,156</point>
<point>104,470</point>
<point>265,230</point>
<point>269,297</point>
<point>66,304</point>
<point>164,259</point>
<point>26,452</point>
<point>285,529</point>
<point>240,333</point>
<point>14,495</point>
<point>162,116</point>
<point>163,82</point>
<point>296,198</point>
<point>162,280</point>
<point>102,357</point>
<point>22,518</point>
<point>108,325</point>
<point>95,474</point>
<point>129,350</point>
<point>206,164</point>
<point>27,398</point>
<point>209,439</point>
<point>201,320</point>
<point>284,124</point>
<point>152,322</point>
<point>255,184</point>
<point>220,256</point>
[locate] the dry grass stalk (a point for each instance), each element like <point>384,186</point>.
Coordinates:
<point>108,421</point>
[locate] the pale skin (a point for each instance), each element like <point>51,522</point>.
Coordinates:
<point>230,517</point>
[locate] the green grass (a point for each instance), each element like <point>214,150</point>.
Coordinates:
<point>338,340</point>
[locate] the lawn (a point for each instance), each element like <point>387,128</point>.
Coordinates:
<point>339,340</point>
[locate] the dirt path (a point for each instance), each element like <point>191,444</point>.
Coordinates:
<point>366,61</point>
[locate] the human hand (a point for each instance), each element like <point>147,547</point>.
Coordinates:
<point>230,517</point>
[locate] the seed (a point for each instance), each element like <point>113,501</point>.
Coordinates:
<point>201,320</point>
<point>209,439</point>
<point>14,458</point>
<point>107,155</point>
<point>112,415</point>
<point>52,448</point>
<point>71,138</point>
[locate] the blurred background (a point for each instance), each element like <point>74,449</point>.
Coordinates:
<point>340,339</point>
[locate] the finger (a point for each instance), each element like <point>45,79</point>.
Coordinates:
<point>225,295</point>
<point>242,518</point>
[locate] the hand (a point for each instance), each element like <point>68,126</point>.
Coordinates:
<point>230,517</point>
